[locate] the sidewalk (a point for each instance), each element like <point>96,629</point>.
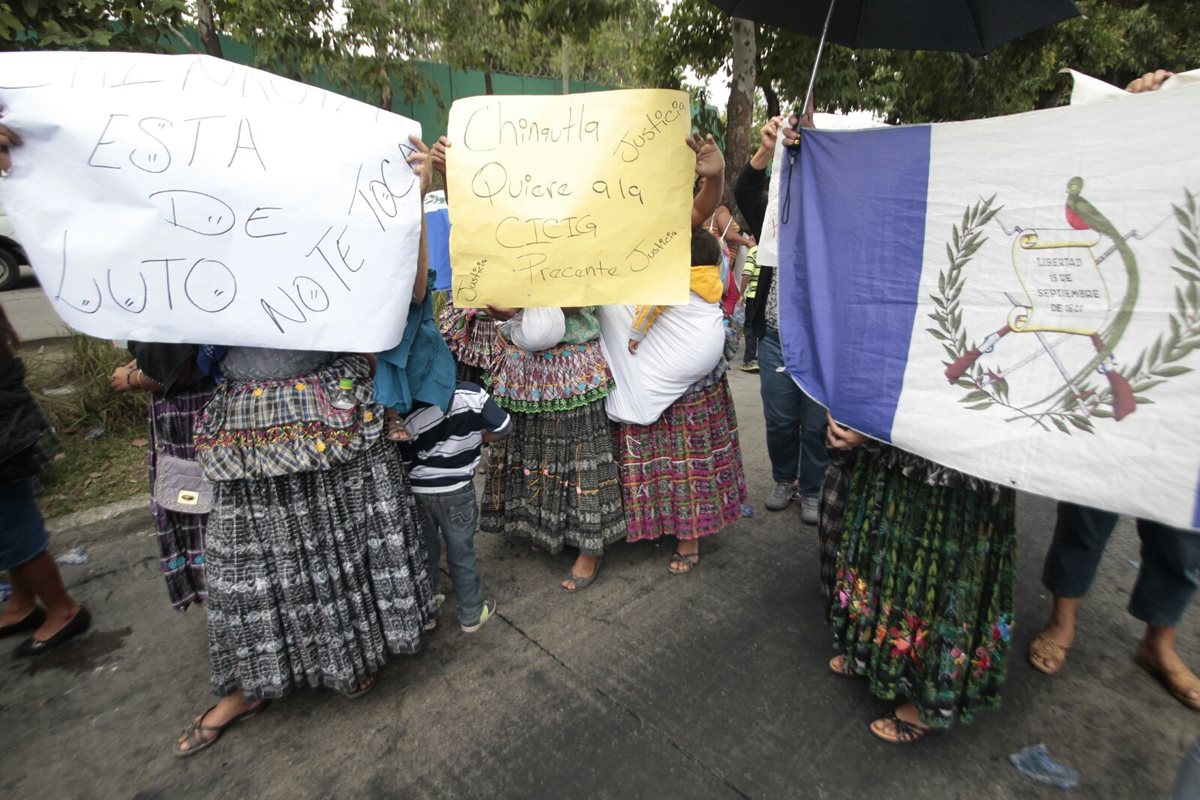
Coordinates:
<point>711,685</point>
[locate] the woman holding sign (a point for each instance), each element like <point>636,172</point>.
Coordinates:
<point>316,566</point>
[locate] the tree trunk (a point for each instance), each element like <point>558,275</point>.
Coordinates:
<point>385,88</point>
<point>488,88</point>
<point>741,104</point>
<point>772,96</point>
<point>208,31</point>
<point>566,74</point>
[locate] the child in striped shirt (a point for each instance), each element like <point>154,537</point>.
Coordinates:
<point>442,455</point>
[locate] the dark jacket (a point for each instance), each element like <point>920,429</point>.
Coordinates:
<point>20,422</point>
<point>750,194</point>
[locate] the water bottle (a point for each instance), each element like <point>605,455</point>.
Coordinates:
<point>342,398</point>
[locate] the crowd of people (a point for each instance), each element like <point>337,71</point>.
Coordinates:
<point>334,480</point>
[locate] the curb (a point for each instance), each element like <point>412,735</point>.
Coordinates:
<point>102,523</point>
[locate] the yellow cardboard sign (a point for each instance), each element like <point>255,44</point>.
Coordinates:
<point>570,200</point>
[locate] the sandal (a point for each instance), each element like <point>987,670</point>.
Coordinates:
<point>840,665</point>
<point>692,560</point>
<point>905,732</point>
<point>581,582</point>
<point>201,737</point>
<point>1043,649</point>
<point>1178,682</point>
<point>364,687</point>
<point>397,431</point>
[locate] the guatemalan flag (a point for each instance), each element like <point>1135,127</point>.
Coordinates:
<point>1016,298</point>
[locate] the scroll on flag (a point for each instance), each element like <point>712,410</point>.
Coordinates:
<point>1015,298</point>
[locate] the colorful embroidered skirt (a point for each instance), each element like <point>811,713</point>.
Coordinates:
<point>567,376</point>
<point>926,567</point>
<point>316,574</point>
<point>832,518</point>
<point>554,481</point>
<point>180,536</point>
<point>682,476</point>
<point>474,341</point>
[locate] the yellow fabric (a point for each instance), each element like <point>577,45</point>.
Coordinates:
<point>705,282</point>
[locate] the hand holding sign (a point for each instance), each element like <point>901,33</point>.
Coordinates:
<point>169,199</point>
<point>571,201</point>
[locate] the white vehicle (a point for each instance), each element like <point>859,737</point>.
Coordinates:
<point>12,256</point>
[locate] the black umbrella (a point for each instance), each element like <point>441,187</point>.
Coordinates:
<point>961,26</point>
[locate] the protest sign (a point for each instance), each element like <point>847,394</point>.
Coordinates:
<point>1014,298</point>
<point>189,199</point>
<point>571,200</point>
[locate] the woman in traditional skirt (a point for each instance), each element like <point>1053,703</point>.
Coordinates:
<point>923,597</point>
<point>473,339</point>
<point>316,566</point>
<point>180,389</point>
<point>682,475</point>
<point>554,481</point>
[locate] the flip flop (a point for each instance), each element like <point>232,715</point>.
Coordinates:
<point>1177,681</point>
<point>198,734</point>
<point>1043,648</point>
<point>691,559</point>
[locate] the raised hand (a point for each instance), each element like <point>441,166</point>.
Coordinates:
<point>709,160</point>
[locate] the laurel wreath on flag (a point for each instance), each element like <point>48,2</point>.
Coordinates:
<point>1158,363</point>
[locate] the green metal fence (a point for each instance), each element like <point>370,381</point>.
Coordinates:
<point>443,85</point>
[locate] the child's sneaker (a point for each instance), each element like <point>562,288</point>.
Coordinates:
<point>489,609</point>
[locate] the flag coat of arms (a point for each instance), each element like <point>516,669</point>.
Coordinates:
<point>1016,298</point>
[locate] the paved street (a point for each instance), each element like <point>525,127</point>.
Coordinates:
<point>30,312</point>
<point>712,685</point>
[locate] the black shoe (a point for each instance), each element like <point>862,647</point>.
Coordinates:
<point>78,624</point>
<point>33,620</point>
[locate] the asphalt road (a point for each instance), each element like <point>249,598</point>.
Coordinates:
<point>30,312</point>
<point>711,685</point>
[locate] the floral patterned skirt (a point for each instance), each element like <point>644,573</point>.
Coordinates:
<point>923,598</point>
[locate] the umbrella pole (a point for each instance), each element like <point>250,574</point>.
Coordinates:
<point>817,64</point>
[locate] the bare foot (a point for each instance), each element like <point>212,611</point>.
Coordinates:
<point>584,567</point>
<point>686,558</point>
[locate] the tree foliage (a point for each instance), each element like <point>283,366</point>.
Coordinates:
<point>129,25</point>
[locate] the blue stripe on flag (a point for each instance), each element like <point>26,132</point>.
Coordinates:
<point>846,305</point>
<point>437,236</point>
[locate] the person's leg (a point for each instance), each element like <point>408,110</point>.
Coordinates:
<point>462,519</point>
<point>1080,536</point>
<point>783,414</point>
<point>751,353</point>
<point>1164,589</point>
<point>1187,781</point>
<point>432,516</point>
<point>41,577</point>
<point>814,459</point>
<point>21,603</point>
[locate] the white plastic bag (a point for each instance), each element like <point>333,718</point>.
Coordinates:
<point>535,329</point>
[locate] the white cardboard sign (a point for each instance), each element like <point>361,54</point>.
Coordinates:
<point>190,199</point>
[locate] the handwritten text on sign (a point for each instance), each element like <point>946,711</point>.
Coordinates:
<point>571,200</point>
<point>189,199</point>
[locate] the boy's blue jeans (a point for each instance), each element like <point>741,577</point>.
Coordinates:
<point>456,515</point>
